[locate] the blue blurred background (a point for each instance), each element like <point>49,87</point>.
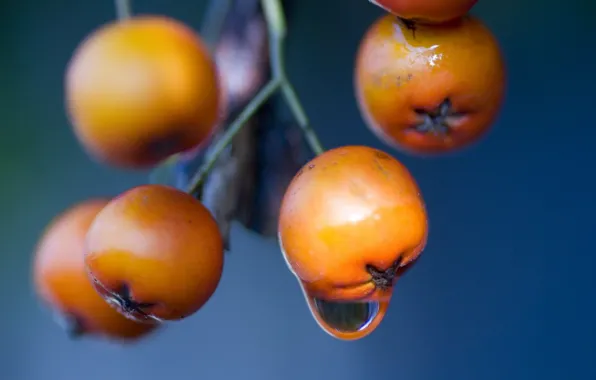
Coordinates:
<point>505,289</point>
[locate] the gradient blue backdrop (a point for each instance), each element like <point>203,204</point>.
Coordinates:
<point>505,289</point>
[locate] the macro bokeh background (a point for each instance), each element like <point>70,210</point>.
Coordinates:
<point>504,290</point>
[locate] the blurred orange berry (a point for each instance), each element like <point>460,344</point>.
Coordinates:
<point>140,90</point>
<point>430,11</point>
<point>61,279</point>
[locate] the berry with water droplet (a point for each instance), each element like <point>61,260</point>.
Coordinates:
<point>351,222</point>
<point>156,253</point>
<point>61,279</point>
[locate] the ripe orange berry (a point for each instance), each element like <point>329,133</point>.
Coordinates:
<point>61,279</point>
<point>142,89</point>
<point>430,11</point>
<point>429,88</point>
<point>351,221</point>
<point>155,252</point>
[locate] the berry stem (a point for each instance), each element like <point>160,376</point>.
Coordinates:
<point>123,9</point>
<point>276,23</point>
<point>261,98</point>
<point>293,101</point>
<point>275,17</point>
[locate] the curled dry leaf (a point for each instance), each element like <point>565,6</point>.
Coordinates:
<point>250,176</point>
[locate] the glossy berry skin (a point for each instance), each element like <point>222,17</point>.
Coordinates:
<point>142,89</point>
<point>351,221</point>
<point>155,252</point>
<point>428,11</point>
<point>61,280</point>
<point>429,89</point>
<point>347,209</point>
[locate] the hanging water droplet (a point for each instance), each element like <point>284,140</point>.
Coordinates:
<point>346,320</point>
<point>346,317</point>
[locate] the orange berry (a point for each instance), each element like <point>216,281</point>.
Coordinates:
<point>429,88</point>
<point>142,89</point>
<point>430,11</point>
<point>351,221</point>
<point>61,279</point>
<point>155,252</point>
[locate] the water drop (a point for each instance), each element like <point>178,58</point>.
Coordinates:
<point>347,320</point>
<point>347,316</point>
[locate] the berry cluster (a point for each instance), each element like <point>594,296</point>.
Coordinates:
<point>144,89</point>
